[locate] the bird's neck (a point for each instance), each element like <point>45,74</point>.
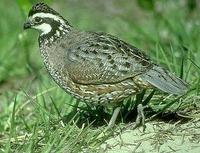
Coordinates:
<point>56,32</point>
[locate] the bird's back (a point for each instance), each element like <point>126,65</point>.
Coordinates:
<point>99,58</point>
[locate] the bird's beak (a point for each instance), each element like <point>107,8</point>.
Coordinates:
<point>27,24</point>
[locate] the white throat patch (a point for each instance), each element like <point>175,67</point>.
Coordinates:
<point>44,28</point>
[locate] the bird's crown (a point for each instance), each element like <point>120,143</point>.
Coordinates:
<point>41,8</point>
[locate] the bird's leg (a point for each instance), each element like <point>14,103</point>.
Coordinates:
<point>140,117</point>
<point>114,117</point>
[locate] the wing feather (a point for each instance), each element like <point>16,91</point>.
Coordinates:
<point>98,58</point>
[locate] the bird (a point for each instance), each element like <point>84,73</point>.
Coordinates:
<point>96,67</point>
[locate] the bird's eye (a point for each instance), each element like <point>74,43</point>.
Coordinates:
<point>38,19</point>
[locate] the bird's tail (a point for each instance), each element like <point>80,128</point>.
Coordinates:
<point>165,81</point>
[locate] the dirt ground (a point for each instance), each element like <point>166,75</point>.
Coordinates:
<point>159,137</point>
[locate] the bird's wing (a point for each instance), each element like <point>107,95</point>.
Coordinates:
<point>96,58</point>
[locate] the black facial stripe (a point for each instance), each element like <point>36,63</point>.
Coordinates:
<point>50,21</point>
<point>54,23</point>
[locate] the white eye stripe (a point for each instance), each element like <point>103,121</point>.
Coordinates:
<point>48,15</point>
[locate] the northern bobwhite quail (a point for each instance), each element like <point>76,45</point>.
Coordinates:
<point>97,68</point>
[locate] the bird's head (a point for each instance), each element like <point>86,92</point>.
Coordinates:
<point>49,22</point>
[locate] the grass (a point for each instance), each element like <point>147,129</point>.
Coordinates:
<point>37,116</point>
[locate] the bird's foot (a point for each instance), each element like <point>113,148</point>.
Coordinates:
<point>140,120</point>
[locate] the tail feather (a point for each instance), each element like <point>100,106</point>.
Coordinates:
<point>165,81</point>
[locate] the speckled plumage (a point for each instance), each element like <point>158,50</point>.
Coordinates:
<point>97,67</point>
<point>98,77</point>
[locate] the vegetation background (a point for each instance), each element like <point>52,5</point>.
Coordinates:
<point>37,116</point>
